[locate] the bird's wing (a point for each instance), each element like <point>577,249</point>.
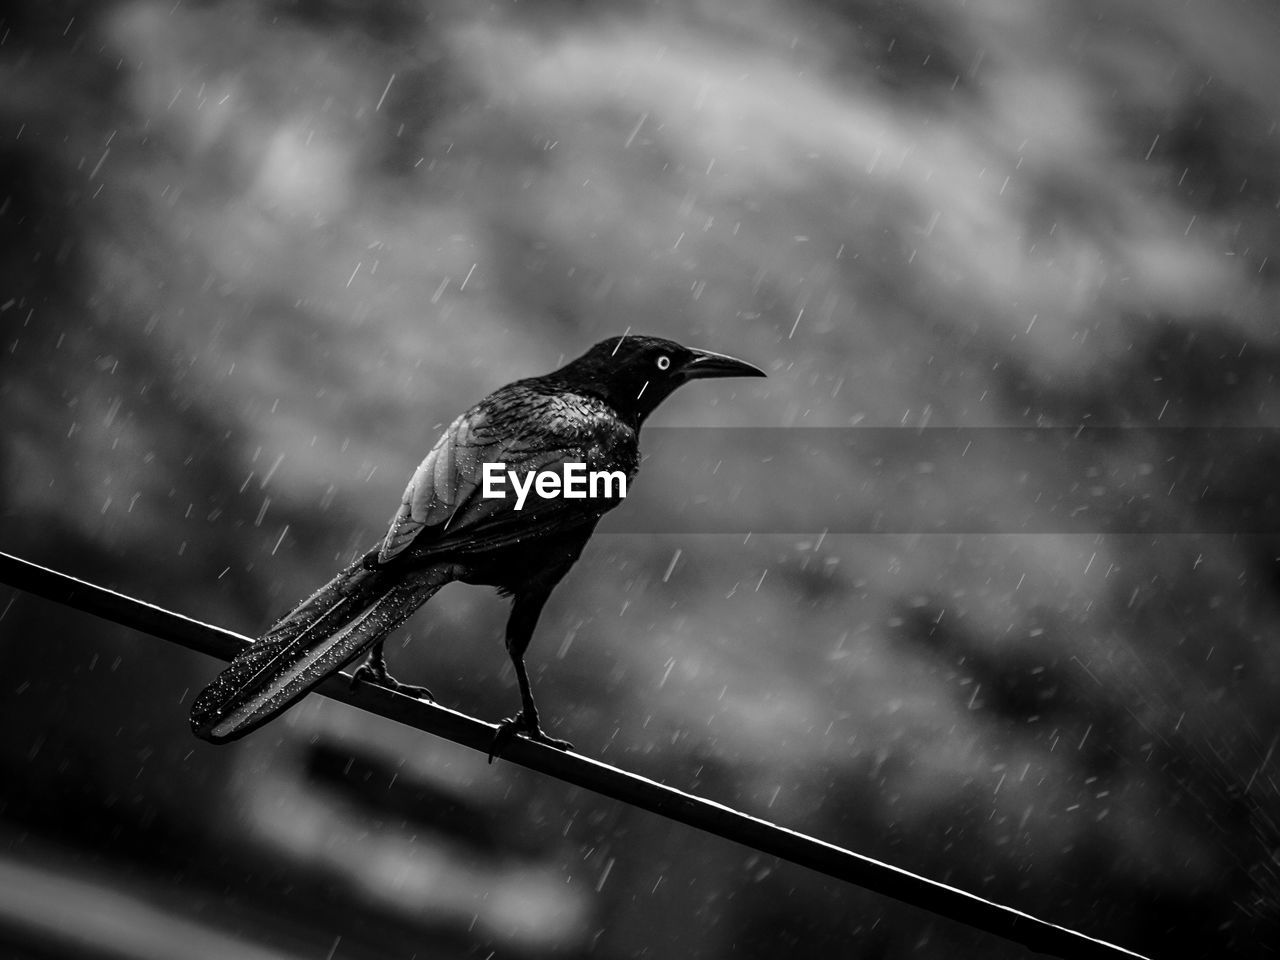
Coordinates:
<point>440,482</point>
<point>442,506</point>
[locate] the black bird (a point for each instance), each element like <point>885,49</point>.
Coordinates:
<point>588,412</point>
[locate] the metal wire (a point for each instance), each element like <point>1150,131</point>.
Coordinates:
<point>769,838</point>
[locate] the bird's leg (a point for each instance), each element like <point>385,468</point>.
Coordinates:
<point>374,670</point>
<point>524,617</point>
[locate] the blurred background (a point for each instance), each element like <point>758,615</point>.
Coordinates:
<point>255,255</point>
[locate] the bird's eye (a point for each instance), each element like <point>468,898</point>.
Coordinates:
<point>664,362</point>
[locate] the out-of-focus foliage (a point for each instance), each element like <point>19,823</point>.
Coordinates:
<point>253,256</point>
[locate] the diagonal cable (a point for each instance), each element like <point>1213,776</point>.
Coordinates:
<point>769,838</point>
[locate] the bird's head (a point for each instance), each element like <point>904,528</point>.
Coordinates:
<point>634,374</point>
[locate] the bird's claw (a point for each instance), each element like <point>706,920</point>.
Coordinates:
<point>367,674</point>
<point>508,729</point>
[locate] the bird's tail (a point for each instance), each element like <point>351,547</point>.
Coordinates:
<point>328,630</point>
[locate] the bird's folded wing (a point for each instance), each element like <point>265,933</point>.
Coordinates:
<point>443,507</point>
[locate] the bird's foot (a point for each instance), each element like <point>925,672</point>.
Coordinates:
<point>508,729</point>
<point>367,674</point>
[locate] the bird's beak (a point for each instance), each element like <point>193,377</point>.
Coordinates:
<point>704,363</point>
